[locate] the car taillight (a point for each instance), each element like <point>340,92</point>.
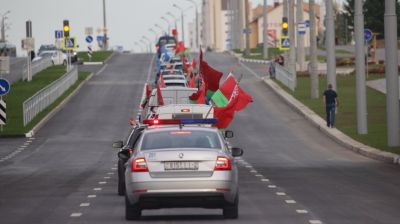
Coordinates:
<point>139,165</point>
<point>223,163</point>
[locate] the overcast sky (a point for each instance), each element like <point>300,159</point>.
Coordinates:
<point>127,20</point>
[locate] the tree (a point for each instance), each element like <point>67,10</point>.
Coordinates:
<point>374,11</point>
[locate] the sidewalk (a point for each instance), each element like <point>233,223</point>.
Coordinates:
<point>333,133</point>
<point>379,85</point>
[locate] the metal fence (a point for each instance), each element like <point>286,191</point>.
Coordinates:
<point>42,99</point>
<point>37,67</point>
<point>285,77</point>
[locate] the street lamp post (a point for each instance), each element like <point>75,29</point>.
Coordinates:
<point>159,27</point>
<point>3,26</point>
<point>197,23</point>
<point>105,26</point>
<point>174,18</point>
<point>155,33</point>
<point>150,48</point>
<point>169,24</point>
<point>141,47</point>
<point>183,22</point>
<point>145,44</point>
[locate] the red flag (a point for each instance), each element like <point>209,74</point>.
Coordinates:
<point>201,55</point>
<point>162,83</point>
<point>192,82</point>
<point>148,91</point>
<point>210,76</point>
<point>200,95</point>
<point>228,86</point>
<point>243,99</point>
<point>194,63</point>
<point>159,96</point>
<point>225,114</point>
<point>180,47</point>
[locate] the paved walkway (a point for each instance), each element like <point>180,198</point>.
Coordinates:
<point>379,84</point>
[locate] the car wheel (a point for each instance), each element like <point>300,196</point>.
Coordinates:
<point>231,211</point>
<point>121,178</point>
<point>132,211</point>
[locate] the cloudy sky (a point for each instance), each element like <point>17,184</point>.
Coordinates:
<point>127,20</point>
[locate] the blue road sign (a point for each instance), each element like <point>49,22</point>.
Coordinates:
<point>4,87</point>
<point>59,34</point>
<point>100,38</point>
<point>89,39</point>
<point>368,35</point>
<point>307,23</point>
<point>284,43</point>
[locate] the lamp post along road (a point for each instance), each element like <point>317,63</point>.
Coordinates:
<point>197,23</point>
<point>330,45</point>
<point>300,37</point>
<point>292,49</point>
<point>392,78</point>
<point>285,14</point>
<point>168,23</point>
<point>313,53</point>
<point>105,41</point>
<point>360,68</point>
<point>265,28</point>
<point>183,22</point>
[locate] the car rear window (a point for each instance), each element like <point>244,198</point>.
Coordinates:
<point>180,139</point>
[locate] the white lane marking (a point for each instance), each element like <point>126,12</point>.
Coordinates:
<point>315,222</point>
<point>253,171</point>
<point>97,188</point>
<point>271,186</point>
<point>91,196</point>
<point>265,180</point>
<point>26,143</point>
<point>290,201</point>
<point>23,146</point>
<point>32,138</point>
<point>84,204</point>
<point>114,168</point>
<point>259,175</point>
<point>249,166</point>
<point>29,141</point>
<point>76,214</point>
<point>110,173</point>
<point>106,177</point>
<point>102,182</point>
<point>301,211</point>
<point>280,193</point>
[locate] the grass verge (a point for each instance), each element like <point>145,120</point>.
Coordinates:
<point>22,90</point>
<point>346,120</point>
<point>97,56</point>
<point>258,53</point>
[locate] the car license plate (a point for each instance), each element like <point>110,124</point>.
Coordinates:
<point>181,165</point>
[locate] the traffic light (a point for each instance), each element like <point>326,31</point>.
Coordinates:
<point>66,28</point>
<point>285,26</point>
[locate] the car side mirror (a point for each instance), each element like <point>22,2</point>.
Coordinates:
<point>228,134</point>
<point>117,144</point>
<point>124,155</point>
<point>236,152</point>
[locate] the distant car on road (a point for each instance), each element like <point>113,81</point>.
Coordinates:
<point>175,166</point>
<point>57,57</point>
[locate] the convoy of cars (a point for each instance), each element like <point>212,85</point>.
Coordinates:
<point>173,156</point>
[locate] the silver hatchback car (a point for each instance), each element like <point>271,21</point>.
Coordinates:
<point>182,166</point>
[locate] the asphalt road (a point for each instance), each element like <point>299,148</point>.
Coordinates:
<point>290,172</point>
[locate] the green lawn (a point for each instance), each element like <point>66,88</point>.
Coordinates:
<point>346,117</point>
<point>98,56</point>
<point>22,90</point>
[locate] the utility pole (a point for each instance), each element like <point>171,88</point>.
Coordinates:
<point>313,53</point>
<point>292,49</point>
<point>247,25</point>
<point>285,14</point>
<point>105,26</point>
<point>300,38</point>
<point>392,78</point>
<point>330,45</point>
<point>265,29</point>
<point>360,69</point>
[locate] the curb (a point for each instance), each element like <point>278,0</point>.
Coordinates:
<point>333,133</point>
<point>39,125</point>
<point>99,62</point>
<point>239,56</point>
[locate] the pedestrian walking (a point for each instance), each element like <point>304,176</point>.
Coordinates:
<point>331,101</point>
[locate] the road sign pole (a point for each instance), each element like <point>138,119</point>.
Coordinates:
<point>300,37</point>
<point>392,78</point>
<point>360,68</point>
<point>265,30</point>
<point>292,50</point>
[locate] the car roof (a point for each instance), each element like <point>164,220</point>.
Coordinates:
<point>159,128</point>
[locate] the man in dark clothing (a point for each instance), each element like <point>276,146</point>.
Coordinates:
<point>331,101</point>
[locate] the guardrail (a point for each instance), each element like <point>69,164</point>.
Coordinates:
<point>37,67</point>
<point>42,99</point>
<point>284,76</point>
